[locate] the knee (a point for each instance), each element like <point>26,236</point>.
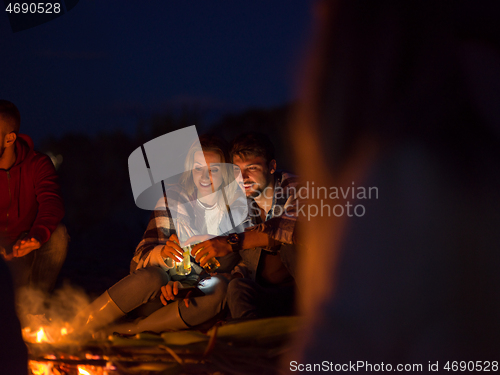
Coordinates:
<point>152,278</point>
<point>215,286</point>
<point>56,247</point>
<point>60,237</point>
<point>220,289</point>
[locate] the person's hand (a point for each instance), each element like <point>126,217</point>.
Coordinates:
<point>172,249</point>
<point>4,254</point>
<point>25,246</point>
<point>169,291</point>
<point>216,247</point>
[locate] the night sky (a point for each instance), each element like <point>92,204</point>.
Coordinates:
<point>105,65</point>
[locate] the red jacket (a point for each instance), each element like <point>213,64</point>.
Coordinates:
<point>30,200</point>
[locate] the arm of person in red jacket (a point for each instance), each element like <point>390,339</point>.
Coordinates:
<point>50,207</point>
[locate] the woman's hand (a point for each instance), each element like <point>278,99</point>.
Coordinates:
<point>172,249</point>
<point>169,291</point>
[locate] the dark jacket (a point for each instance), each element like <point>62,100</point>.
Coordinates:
<point>30,200</point>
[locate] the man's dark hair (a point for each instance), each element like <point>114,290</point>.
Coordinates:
<point>253,143</point>
<point>10,113</point>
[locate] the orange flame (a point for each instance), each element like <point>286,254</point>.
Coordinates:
<point>41,336</point>
<point>48,368</point>
<point>46,334</point>
<point>40,368</point>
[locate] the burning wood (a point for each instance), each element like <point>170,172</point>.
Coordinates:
<point>247,347</point>
<point>45,334</point>
<point>55,368</point>
<point>40,368</point>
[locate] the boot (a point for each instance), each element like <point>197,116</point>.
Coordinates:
<point>167,318</point>
<point>99,313</point>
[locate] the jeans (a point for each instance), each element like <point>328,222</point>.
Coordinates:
<point>248,300</point>
<point>205,307</point>
<point>39,268</point>
<point>141,289</point>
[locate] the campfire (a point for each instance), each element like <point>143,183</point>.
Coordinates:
<point>42,335</point>
<point>251,347</point>
<point>49,368</point>
<point>54,349</point>
<point>52,353</point>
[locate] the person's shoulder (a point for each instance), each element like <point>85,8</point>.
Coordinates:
<point>28,154</point>
<point>39,163</point>
<point>42,164</point>
<point>287,179</point>
<point>287,174</point>
<point>177,193</point>
<point>40,157</point>
<point>176,198</point>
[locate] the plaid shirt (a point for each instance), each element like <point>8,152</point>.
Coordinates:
<point>161,226</point>
<point>282,216</point>
<point>279,225</point>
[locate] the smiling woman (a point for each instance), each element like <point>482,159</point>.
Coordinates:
<point>206,170</point>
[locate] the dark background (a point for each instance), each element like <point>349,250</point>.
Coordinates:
<point>97,82</point>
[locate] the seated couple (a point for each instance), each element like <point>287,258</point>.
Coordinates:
<point>257,256</point>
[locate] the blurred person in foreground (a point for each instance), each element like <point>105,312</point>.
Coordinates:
<point>403,96</point>
<point>13,353</point>
<point>263,283</point>
<point>33,241</point>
